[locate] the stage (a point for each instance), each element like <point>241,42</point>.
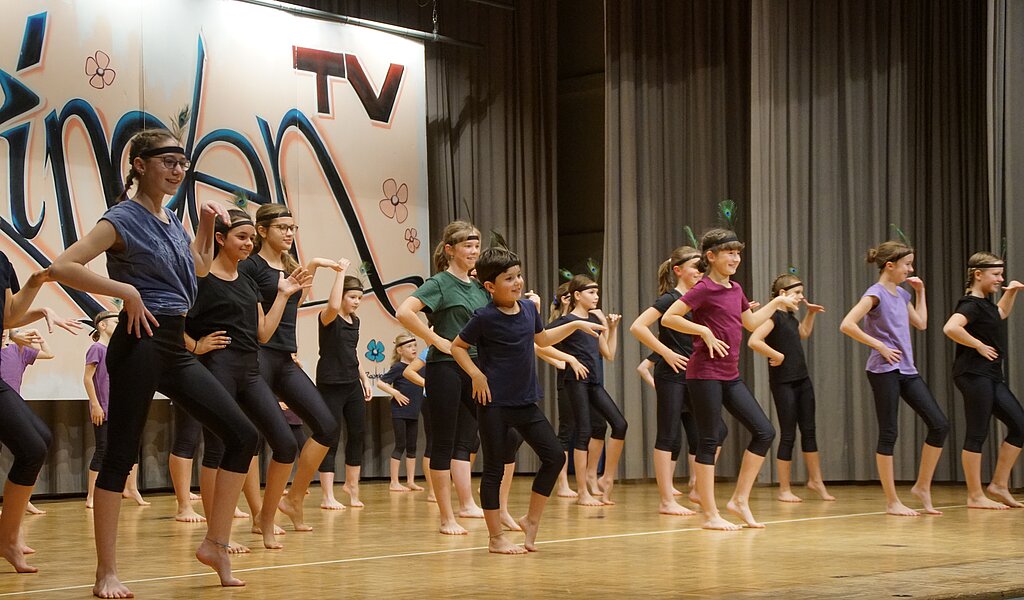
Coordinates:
<point>843,549</point>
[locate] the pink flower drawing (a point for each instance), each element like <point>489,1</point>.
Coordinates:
<point>98,69</point>
<point>395,197</point>
<point>411,241</point>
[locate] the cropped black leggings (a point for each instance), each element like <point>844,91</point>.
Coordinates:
<point>583,396</point>
<point>452,414</point>
<point>794,402</point>
<point>239,373</point>
<point>345,401</point>
<point>25,434</point>
<point>293,387</point>
<point>708,396</point>
<point>983,398</point>
<point>674,410</point>
<point>406,433</point>
<point>138,368</point>
<point>496,425</point>
<point>887,389</point>
<point>186,434</point>
<point>567,424</point>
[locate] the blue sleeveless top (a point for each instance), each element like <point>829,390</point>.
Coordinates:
<point>156,259</point>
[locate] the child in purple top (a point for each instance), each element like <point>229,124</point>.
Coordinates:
<point>888,314</point>
<point>26,347</point>
<point>720,313</point>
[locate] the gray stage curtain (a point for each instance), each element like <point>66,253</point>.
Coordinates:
<point>677,142</point>
<point>1006,159</point>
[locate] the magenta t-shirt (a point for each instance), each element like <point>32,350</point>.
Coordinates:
<point>97,355</point>
<point>14,363</point>
<point>720,309</point>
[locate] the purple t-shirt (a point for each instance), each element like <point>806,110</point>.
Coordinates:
<point>889,323</point>
<point>97,355</point>
<point>13,364</point>
<point>721,310</point>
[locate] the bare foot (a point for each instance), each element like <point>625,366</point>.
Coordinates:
<point>788,496</point>
<point>720,524</point>
<point>332,504</point>
<point>397,487</point>
<point>676,492</point>
<point>742,510</point>
<point>136,496</point>
<point>984,502</point>
<point>605,484</point>
<point>31,509</point>
<point>239,514</point>
<point>216,557</point>
<point>567,492</point>
<point>236,548</point>
<point>693,496</point>
<point>111,587</point>
<point>471,512</point>
<point>189,515</point>
<point>293,510</point>
<point>26,550</point>
<point>530,529</point>
<point>925,496</point>
<point>819,488</point>
<point>899,509</point>
<point>452,528</point>
<point>588,500</point>
<point>413,486</point>
<point>499,544</point>
<point>15,555</point>
<point>431,497</point>
<point>510,523</point>
<point>1004,496</point>
<point>675,509</point>
<point>595,487</point>
<point>194,497</point>
<point>88,502</point>
<point>278,530</point>
<point>353,495</point>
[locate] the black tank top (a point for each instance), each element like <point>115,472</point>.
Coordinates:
<point>785,338</point>
<point>339,343</point>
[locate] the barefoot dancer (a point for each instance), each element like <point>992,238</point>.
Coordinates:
<point>888,314</point>
<point>415,372</point>
<point>153,266</point>
<point>406,401</point>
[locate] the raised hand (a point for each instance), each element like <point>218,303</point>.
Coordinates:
<point>814,308</point>
<point>916,283</point>
<point>589,327</point>
<point>26,337</point>
<point>613,320</point>
<point>300,279</point>
<point>788,302</point>
<point>216,209</point>
<point>1013,285</point>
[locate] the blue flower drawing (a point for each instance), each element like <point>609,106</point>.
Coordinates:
<point>375,351</point>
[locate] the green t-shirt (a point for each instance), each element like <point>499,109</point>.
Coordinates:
<point>450,303</point>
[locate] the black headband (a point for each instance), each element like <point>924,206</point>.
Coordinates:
<point>268,218</point>
<point>354,286</point>
<point>727,239</point>
<point>987,266</point>
<point>102,319</point>
<point>239,223</point>
<point>685,259</point>
<point>589,286</point>
<point>791,286</point>
<point>161,150</point>
<point>400,344</point>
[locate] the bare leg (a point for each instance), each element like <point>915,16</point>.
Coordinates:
<point>531,522</point>
<point>410,474</point>
<point>594,449</point>
<point>585,498</point>
<point>329,502</point>
<point>251,488</point>
<point>691,461</point>
<point>462,476</point>
<point>739,504</point>
<point>106,510</point>
<point>785,486</point>
<point>694,495</point>
<point>351,486</point>
<point>976,497</point>
<point>706,491</point>
<point>506,489</point>
<point>208,486</point>
<point>32,509</point>
<point>443,492</point>
<point>562,488</point>
<point>12,547</point>
<point>1000,485</point>
<point>92,488</point>
<point>131,489</point>
<point>213,551</point>
<point>923,487</point>
<point>181,479</point>
<point>277,480</point>
<point>429,478</point>
<point>497,543</point>
<point>664,469</point>
<point>613,450</point>
<point>815,482</point>
<point>309,461</point>
<point>893,506</point>
<point>396,480</point>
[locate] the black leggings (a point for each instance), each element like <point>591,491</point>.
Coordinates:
<point>186,434</point>
<point>496,423</point>
<point>427,432</point>
<point>567,424</point>
<point>708,396</point>
<point>138,368</point>
<point>345,400</point>
<point>406,432</point>
<point>293,387</point>
<point>673,411</point>
<point>586,395</point>
<point>239,373</point>
<point>983,398</point>
<point>25,434</point>
<point>888,388</point>
<point>452,421</point>
<point>794,401</point>
<point>100,432</point>
<point>299,433</point>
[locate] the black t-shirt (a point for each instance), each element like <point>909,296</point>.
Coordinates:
<point>267,279</point>
<point>228,306</point>
<point>8,281</point>
<point>395,378</point>
<point>584,347</point>
<point>984,323</point>
<point>785,337</point>
<point>504,345</point>
<point>339,343</point>
<point>678,342</point>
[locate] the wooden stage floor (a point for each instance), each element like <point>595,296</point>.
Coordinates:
<point>843,549</point>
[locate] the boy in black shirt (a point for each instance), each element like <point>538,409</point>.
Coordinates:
<point>505,385</point>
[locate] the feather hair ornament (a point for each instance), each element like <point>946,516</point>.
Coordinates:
<point>727,213</point>
<point>902,237</point>
<point>593,269</point>
<point>564,273</point>
<point>691,239</point>
<point>498,241</point>
<point>179,122</point>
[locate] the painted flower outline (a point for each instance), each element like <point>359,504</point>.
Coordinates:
<point>375,351</point>
<point>97,67</point>
<point>411,241</point>
<point>395,198</point>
